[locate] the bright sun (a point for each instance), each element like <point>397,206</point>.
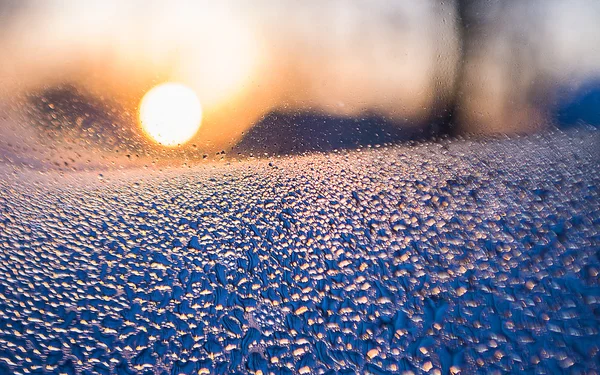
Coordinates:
<point>170,114</point>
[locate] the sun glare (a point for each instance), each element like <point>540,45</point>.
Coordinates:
<point>170,114</point>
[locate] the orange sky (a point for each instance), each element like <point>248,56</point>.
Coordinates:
<point>244,59</point>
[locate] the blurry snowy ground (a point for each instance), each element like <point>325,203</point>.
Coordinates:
<point>479,256</point>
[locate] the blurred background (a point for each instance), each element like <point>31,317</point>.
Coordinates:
<point>287,77</point>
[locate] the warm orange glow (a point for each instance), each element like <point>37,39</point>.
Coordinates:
<point>170,114</point>
<point>222,67</point>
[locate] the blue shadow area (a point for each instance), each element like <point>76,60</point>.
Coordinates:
<point>283,133</point>
<point>581,107</point>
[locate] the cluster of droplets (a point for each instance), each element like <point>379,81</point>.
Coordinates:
<point>435,258</point>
